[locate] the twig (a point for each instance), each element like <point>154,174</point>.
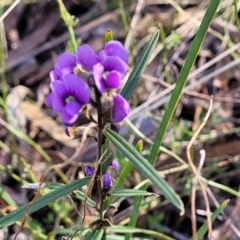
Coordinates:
<point>15,3</point>
<point>196,173</point>
<point>135,19</point>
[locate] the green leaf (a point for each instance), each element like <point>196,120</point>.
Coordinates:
<point>96,234</point>
<point>125,192</point>
<point>236,13</point>
<point>125,229</point>
<point>144,167</point>
<point>42,202</point>
<point>123,175</point>
<point>54,185</point>
<point>203,229</point>
<point>118,237</point>
<point>139,68</point>
<point>108,36</point>
<point>7,198</point>
<point>80,195</point>
<point>183,77</point>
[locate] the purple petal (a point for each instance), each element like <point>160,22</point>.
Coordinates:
<point>102,55</point>
<point>58,96</point>
<point>77,88</point>
<point>48,100</point>
<point>98,77</point>
<point>113,80</point>
<point>88,170</point>
<point>67,119</point>
<point>115,164</point>
<point>73,108</point>
<point>115,63</point>
<point>58,89</point>
<point>121,108</point>
<point>54,76</point>
<point>107,180</point>
<point>115,48</point>
<point>66,63</point>
<point>58,104</point>
<point>67,132</point>
<point>114,128</point>
<point>86,56</point>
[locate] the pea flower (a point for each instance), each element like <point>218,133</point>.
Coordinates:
<point>121,108</point>
<point>112,66</point>
<point>68,97</point>
<point>115,164</point>
<point>68,63</point>
<point>88,170</point>
<point>107,180</point>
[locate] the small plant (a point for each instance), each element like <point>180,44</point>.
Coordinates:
<point>85,91</point>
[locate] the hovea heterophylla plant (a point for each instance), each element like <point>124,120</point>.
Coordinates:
<point>85,92</point>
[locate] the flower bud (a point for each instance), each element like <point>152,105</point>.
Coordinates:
<point>88,170</point>
<point>115,164</point>
<point>107,181</point>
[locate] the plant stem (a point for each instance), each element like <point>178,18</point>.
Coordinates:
<point>100,141</point>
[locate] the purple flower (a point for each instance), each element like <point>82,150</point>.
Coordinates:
<point>86,57</point>
<point>115,164</point>
<point>88,170</point>
<point>107,181</point>
<point>121,108</point>
<point>112,80</point>
<point>114,48</point>
<point>109,74</point>
<point>68,97</point>
<point>68,63</point>
<point>112,66</point>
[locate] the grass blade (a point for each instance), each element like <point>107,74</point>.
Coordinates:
<point>203,229</point>
<point>182,79</point>
<point>181,82</point>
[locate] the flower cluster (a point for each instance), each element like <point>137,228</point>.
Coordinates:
<point>76,76</point>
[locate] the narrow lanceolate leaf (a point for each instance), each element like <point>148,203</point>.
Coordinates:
<point>42,202</point>
<point>108,36</point>
<point>144,167</point>
<point>79,195</point>
<point>125,192</point>
<point>139,68</point>
<point>126,229</point>
<point>96,234</point>
<point>203,229</point>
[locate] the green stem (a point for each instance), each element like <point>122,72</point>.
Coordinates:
<point>72,38</point>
